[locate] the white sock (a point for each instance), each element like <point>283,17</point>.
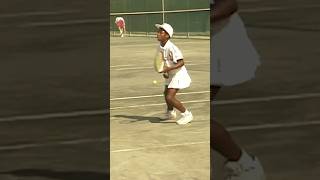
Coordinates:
<point>245,158</point>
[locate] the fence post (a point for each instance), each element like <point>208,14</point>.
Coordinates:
<point>162,1</point>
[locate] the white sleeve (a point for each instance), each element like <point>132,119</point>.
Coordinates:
<point>176,54</point>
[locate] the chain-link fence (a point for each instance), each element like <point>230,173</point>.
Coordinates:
<point>189,18</point>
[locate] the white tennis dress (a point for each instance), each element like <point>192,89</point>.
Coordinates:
<point>178,78</point>
<point>234,59</point>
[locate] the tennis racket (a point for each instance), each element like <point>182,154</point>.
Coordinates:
<point>158,62</point>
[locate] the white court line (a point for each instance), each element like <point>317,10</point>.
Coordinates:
<point>132,65</point>
<point>269,98</point>
<point>273,126</point>
<point>116,66</point>
<point>39,13</point>
<point>60,23</point>
<point>266,9</point>
<point>233,101</point>
<point>231,129</point>
<point>99,140</point>
<point>65,142</point>
<point>161,146</point>
<point>150,67</point>
<point>106,111</point>
<point>155,45</point>
<point>156,104</point>
<point>157,95</point>
<point>132,68</point>
<point>54,115</point>
<point>228,102</point>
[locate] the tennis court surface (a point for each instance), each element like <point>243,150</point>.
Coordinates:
<point>143,145</point>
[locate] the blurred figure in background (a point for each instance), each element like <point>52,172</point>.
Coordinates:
<point>121,25</point>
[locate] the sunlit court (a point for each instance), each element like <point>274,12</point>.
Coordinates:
<point>143,144</point>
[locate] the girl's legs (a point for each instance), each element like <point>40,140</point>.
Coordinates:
<point>169,106</point>
<point>220,139</point>
<point>170,97</point>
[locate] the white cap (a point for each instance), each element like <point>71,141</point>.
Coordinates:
<point>166,27</point>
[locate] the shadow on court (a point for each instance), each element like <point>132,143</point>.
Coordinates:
<point>151,119</point>
<point>61,175</point>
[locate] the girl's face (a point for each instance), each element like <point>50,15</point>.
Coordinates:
<point>162,35</point>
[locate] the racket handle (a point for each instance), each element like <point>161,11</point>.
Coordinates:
<point>166,75</point>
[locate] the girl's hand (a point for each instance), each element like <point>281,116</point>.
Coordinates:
<point>165,69</point>
<point>165,75</point>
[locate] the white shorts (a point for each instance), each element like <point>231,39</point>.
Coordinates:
<point>234,59</point>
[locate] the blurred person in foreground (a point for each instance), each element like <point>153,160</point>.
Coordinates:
<point>234,60</point>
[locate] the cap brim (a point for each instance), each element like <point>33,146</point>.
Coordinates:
<point>158,26</point>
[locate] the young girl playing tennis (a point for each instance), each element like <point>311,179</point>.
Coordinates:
<point>174,72</point>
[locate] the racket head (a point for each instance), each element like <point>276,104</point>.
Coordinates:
<point>158,62</point>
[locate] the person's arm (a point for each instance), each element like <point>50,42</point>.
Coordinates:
<point>177,65</point>
<point>222,9</point>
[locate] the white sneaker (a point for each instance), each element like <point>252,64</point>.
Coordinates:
<point>186,118</point>
<point>247,168</point>
<point>171,114</point>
